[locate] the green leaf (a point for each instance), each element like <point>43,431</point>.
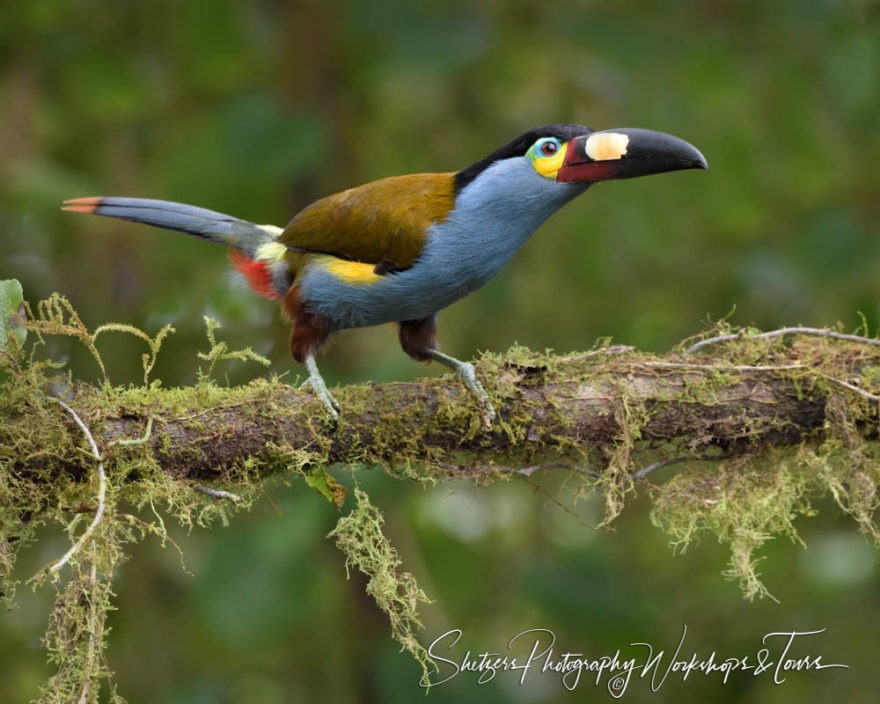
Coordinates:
<point>326,486</point>
<point>12,316</point>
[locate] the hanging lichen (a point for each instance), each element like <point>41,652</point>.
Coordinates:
<point>359,536</point>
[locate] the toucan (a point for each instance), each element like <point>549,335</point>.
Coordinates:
<point>402,248</point>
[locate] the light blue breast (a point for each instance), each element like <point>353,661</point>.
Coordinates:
<point>493,217</point>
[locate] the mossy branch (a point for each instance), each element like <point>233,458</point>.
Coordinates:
<point>548,406</point>
<point>756,426</point>
<point>742,417</point>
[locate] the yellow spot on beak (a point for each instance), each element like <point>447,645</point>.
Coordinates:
<point>606,146</point>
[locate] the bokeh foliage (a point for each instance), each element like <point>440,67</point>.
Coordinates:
<point>259,108</point>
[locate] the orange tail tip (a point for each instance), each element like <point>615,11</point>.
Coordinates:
<point>82,205</point>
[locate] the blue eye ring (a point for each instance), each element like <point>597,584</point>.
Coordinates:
<point>547,147</point>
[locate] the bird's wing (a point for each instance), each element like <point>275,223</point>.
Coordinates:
<point>382,223</point>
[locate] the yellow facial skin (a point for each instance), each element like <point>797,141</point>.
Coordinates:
<point>547,156</point>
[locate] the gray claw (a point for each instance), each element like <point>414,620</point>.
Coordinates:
<point>316,382</point>
<point>469,376</point>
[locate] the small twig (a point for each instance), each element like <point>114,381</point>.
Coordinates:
<point>821,332</point>
<point>213,409</point>
<point>143,440</point>
<point>612,349</point>
<point>102,491</point>
<point>722,368</point>
<point>852,387</point>
<point>645,471</point>
<point>217,493</point>
<point>529,471</point>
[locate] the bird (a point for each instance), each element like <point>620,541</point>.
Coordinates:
<point>402,248</point>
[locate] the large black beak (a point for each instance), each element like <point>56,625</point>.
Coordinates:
<point>626,153</point>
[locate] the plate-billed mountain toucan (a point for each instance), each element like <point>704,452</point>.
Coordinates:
<point>402,248</point>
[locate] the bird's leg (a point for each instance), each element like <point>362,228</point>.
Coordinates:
<point>308,333</point>
<point>468,374</point>
<point>418,338</point>
<point>316,382</point>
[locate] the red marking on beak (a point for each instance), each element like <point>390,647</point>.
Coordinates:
<point>587,172</point>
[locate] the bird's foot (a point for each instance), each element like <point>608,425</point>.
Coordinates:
<point>469,376</point>
<point>316,383</point>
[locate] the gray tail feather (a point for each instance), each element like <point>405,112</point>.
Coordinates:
<point>198,222</point>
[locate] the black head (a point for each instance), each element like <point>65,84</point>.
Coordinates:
<point>519,147</point>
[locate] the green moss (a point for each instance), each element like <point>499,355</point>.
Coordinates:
<point>742,498</point>
<point>746,501</point>
<point>744,504</point>
<point>359,536</point>
<point>30,432</point>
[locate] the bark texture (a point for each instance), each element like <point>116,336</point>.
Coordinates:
<point>578,405</point>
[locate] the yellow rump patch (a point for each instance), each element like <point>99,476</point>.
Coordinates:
<point>270,252</point>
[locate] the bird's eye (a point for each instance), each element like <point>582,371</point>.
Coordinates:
<point>546,156</point>
<point>548,147</point>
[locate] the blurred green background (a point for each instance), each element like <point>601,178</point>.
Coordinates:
<point>257,109</point>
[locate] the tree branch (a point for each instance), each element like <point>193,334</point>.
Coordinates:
<point>548,406</point>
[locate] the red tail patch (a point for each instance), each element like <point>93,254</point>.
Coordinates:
<point>256,273</point>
